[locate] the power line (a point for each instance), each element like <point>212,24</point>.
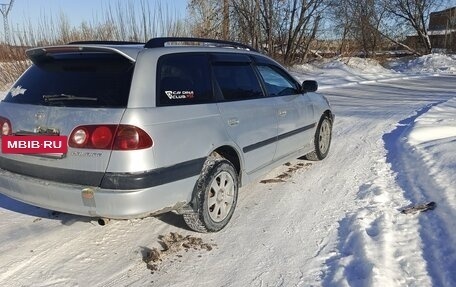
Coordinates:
<point>5,9</point>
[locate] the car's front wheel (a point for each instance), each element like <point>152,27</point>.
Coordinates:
<point>322,140</point>
<point>215,196</point>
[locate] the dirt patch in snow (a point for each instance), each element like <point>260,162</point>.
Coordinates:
<point>173,244</point>
<point>284,176</point>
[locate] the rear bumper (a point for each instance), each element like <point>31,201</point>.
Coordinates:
<point>108,180</point>
<point>95,201</point>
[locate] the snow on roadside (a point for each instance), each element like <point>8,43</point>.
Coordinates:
<point>433,63</point>
<point>433,137</point>
<point>338,72</point>
<point>433,141</point>
<point>343,72</point>
<point>377,245</point>
<point>428,154</point>
<point>436,125</point>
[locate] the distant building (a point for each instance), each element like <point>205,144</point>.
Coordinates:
<point>442,29</point>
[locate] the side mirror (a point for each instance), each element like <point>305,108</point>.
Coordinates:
<point>309,86</point>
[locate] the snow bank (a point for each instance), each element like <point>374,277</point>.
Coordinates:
<point>438,123</point>
<point>431,147</point>
<point>338,72</point>
<point>433,63</point>
<point>343,72</point>
<point>433,136</point>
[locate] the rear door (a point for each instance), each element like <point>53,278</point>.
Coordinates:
<point>250,117</point>
<point>61,91</point>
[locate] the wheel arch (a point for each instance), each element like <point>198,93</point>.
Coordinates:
<point>330,115</point>
<point>232,155</point>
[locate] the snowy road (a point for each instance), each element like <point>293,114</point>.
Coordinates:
<point>335,222</point>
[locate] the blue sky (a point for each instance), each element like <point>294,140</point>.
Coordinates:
<point>76,11</point>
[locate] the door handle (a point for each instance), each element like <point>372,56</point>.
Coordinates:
<point>233,122</point>
<point>282,113</point>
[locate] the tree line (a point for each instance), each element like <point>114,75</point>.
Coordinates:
<point>291,30</point>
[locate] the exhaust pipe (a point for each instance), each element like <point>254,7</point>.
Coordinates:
<point>103,221</point>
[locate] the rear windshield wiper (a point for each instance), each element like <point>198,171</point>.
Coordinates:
<point>64,97</point>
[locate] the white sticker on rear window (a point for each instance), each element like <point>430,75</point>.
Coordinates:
<point>16,91</point>
<point>179,95</point>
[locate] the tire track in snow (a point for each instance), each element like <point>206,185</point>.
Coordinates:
<point>377,245</point>
<point>419,185</point>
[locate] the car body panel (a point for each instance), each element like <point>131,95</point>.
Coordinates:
<point>177,134</point>
<point>255,132</point>
<point>96,202</point>
<point>136,183</point>
<point>296,123</point>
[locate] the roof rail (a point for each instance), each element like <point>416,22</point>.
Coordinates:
<point>105,43</point>
<point>161,41</point>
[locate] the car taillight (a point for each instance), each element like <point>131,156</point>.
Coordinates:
<point>115,137</point>
<point>79,137</point>
<point>102,137</point>
<point>6,126</point>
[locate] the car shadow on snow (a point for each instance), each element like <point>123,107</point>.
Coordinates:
<point>40,213</point>
<point>173,219</point>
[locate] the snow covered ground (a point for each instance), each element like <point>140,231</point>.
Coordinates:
<point>337,222</point>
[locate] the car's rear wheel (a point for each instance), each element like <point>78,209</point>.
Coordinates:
<point>215,196</point>
<point>322,140</point>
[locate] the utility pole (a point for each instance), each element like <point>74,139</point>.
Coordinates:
<point>5,9</point>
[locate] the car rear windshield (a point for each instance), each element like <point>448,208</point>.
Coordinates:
<point>75,80</point>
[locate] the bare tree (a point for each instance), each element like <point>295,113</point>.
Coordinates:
<point>414,13</point>
<point>302,26</point>
<point>284,29</point>
<point>247,25</point>
<point>358,23</point>
<point>207,18</point>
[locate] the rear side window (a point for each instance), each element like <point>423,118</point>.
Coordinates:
<point>183,79</point>
<point>75,80</point>
<point>277,82</point>
<point>237,81</point>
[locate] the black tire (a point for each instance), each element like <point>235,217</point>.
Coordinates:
<point>322,140</point>
<point>214,197</point>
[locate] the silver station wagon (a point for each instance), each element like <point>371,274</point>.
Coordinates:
<point>175,124</point>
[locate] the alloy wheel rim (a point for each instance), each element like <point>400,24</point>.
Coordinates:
<point>325,136</point>
<point>221,196</point>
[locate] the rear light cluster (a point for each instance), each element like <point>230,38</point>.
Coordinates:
<point>5,125</point>
<point>109,137</point>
